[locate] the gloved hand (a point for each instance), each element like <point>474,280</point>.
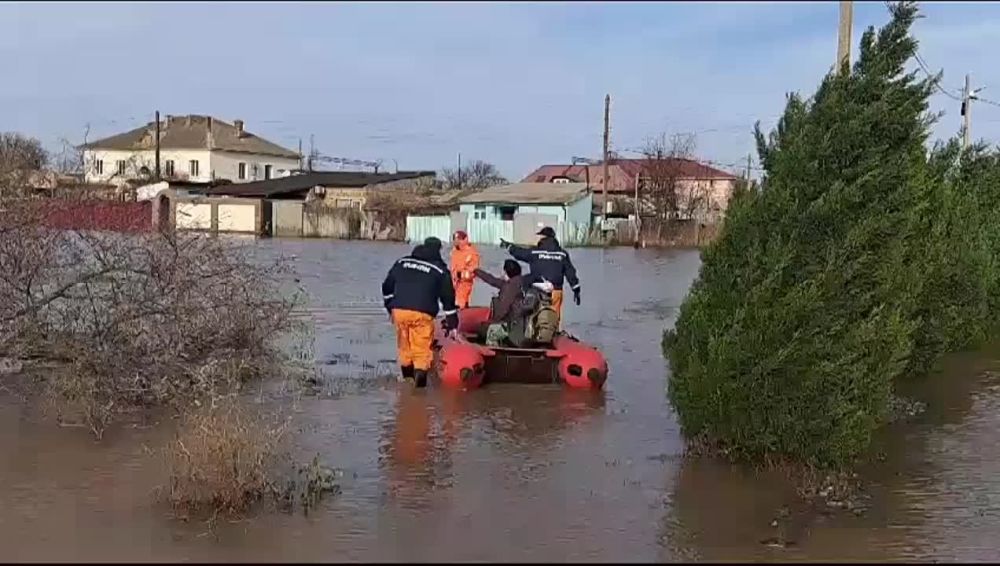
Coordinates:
<point>504,244</point>
<point>450,322</point>
<point>576,296</point>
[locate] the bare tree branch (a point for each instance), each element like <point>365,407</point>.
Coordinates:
<point>477,176</point>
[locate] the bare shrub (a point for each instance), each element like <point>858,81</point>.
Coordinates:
<point>224,458</point>
<point>135,321</point>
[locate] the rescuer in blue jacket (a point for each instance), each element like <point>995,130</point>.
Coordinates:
<point>550,262</point>
<point>411,292</point>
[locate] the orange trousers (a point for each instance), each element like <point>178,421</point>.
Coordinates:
<point>414,338</point>
<point>463,292</point>
<point>557,298</point>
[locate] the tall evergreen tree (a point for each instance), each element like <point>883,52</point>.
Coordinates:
<point>803,314</point>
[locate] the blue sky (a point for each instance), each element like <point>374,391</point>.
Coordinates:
<point>518,84</point>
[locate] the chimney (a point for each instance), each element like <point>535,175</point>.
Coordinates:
<point>210,123</point>
<point>239,128</point>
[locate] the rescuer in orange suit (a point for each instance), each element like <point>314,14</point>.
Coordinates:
<point>464,263</point>
<point>411,292</point>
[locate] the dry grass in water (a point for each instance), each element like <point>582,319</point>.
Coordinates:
<point>225,458</point>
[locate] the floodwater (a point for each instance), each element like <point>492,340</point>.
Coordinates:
<point>513,473</point>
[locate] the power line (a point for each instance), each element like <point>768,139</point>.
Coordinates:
<point>987,101</point>
<point>935,81</point>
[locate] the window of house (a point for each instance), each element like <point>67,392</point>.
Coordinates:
<point>255,170</point>
<point>479,213</point>
<point>507,212</point>
<point>267,172</point>
<point>193,167</point>
<point>120,166</point>
<point>356,204</point>
<point>243,171</point>
<point>342,203</point>
<point>169,168</point>
<point>99,166</point>
<point>560,180</point>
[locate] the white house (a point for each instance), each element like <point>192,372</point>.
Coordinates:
<point>192,148</point>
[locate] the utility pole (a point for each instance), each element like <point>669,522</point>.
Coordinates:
<point>844,35</point>
<point>604,174</point>
<point>459,171</point>
<point>967,96</point>
<point>157,146</point>
<point>300,154</point>
<point>312,151</point>
<point>749,162</point>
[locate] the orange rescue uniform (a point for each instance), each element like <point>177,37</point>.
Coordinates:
<point>414,338</point>
<point>557,300</point>
<point>464,261</point>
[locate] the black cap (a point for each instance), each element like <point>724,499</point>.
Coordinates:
<point>433,244</point>
<point>547,232</point>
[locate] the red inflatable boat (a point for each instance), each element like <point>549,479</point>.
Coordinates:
<point>462,363</point>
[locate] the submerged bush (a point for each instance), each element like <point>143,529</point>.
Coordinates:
<point>856,263</point>
<point>223,458</point>
<point>230,455</point>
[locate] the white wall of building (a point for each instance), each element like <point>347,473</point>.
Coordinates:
<point>226,165</point>
<point>102,166</point>
<point>193,216</point>
<point>237,218</point>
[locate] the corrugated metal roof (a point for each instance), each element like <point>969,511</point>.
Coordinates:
<point>192,132</point>
<point>529,193</point>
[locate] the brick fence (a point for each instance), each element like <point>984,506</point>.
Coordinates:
<point>108,216</point>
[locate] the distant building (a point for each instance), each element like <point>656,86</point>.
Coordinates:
<point>713,187</point>
<point>517,211</point>
<point>192,148</point>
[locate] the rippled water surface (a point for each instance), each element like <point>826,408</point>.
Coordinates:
<point>512,472</point>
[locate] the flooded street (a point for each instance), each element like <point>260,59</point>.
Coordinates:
<point>514,473</point>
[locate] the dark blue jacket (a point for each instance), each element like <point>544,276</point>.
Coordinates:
<point>548,260</point>
<point>418,281</point>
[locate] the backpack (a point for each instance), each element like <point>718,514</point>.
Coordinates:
<point>543,325</point>
<point>542,320</point>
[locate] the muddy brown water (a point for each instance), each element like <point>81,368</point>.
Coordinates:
<point>516,472</point>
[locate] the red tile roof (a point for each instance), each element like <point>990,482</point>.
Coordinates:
<point>622,173</point>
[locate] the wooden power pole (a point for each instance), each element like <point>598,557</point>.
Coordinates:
<point>604,173</point>
<point>844,35</point>
<point>967,96</point>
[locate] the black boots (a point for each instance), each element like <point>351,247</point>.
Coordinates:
<point>420,376</point>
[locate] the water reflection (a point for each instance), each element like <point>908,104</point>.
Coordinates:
<point>418,444</point>
<point>927,494</point>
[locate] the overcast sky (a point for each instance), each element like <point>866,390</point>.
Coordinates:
<point>517,84</point>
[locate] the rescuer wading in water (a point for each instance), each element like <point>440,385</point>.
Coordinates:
<point>411,292</point>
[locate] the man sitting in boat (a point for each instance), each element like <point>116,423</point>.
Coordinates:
<point>522,312</point>
<point>506,319</point>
